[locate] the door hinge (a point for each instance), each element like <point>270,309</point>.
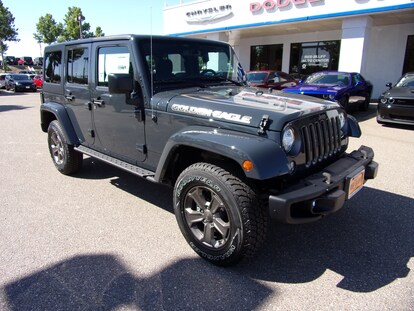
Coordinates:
<point>91,133</point>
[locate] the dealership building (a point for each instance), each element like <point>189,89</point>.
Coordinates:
<point>372,37</point>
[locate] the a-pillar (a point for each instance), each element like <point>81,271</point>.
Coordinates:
<point>354,45</point>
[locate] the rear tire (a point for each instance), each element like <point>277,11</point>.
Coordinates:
<point>220,216</point>
<point>66,159</point>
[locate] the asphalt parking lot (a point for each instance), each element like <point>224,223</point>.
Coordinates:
<point>106,240</point>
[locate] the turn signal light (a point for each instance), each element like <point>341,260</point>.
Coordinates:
<point>248,165</point>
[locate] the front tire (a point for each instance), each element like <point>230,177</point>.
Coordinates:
<point>365,104</point>
<point>344,102</point>
<point>66,159</point>
<point>220,216</point>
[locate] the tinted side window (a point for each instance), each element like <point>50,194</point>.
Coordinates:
<point>114,59</point>
<point>53,67</point>
<point>78,66</point>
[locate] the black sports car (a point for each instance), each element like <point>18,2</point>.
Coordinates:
<point>396,105</point>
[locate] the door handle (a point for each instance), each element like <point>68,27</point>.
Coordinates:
<point>98,102</point>
<point>69,97</point>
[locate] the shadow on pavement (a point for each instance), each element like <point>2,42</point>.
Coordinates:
<point>4,108</point>
<point>369,242</point>
<point>102,282</point>
<point>362,116</point>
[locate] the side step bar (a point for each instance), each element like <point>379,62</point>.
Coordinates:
<point>116,162</point>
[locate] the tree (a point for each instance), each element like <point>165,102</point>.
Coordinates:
<point>74,27</point>
<point>99,32</point>
<point>73,23</point>
<point>48,31</point>
<point>8,32</point>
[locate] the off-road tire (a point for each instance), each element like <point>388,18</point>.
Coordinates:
<point>220,216</point>
<point>67,160</point>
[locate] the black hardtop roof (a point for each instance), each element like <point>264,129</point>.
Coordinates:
<point>131,37</point>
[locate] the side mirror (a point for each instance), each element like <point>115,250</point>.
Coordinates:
<point>120,83</point>
<point>389,84</point>
<point>123,83</point>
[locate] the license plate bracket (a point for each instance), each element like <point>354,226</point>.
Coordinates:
<point>355,182</point>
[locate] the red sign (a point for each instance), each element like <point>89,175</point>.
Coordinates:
<point>271,4</point>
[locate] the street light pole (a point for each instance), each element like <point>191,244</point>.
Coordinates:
<point>80,19</point>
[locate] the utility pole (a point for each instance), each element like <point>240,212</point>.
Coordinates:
<point>80,19</point>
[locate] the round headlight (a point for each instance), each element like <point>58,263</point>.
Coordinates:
<point>331,96</point>
<point>288,138</point>
<point>384,100</point>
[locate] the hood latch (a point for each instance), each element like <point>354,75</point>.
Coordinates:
<point>264,124</point>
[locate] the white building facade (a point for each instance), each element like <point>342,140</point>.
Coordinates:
<point>372,37</point>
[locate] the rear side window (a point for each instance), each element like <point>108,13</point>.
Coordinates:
<point>53,67</point>
<point>78,66</point>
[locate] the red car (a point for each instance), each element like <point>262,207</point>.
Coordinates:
<point>276,80</point>
<point>38,80</point>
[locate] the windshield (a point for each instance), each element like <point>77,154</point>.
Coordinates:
<point>405,81</point>
<point>173,63</point>
<point>256,76</point>
<point>19,77</point>
<point>328,79</point>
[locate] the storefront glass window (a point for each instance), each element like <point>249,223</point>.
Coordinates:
<point>307,58</point>
<point>409,55</point>
<point>266,57</point>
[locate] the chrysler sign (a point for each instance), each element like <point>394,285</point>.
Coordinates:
<point>208,14</point>
<point>273,4</point>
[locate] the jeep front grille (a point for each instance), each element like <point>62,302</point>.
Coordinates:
<point>321,139</point>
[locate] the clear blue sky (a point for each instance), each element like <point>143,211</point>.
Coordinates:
<point>113,16</point>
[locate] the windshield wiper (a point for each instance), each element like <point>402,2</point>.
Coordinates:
<point>222,79</point>
<point>179,81</point>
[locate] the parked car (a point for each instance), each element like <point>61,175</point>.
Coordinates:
<point>19,82</point>
<point>270,79</point>
<point>3,80</point>
<point>38,80</point>
<point>11,60</point>
<point>26,60</point>
<point>347,88</point>
<point>38,61</point>
<point>396,105</point>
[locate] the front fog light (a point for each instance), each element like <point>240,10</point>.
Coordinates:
<point>288,138</point>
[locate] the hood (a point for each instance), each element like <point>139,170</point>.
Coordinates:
<point>241,106</point>
<point>315,89</point>
<point>400,92</point>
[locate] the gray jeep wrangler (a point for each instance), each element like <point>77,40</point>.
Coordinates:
<point>175,111</point>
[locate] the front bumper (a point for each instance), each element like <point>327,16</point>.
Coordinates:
<point>322,193</point>
<point>395,114</point>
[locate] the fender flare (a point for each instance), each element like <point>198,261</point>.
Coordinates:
<point>269,159</point>
<point>60,114</point>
